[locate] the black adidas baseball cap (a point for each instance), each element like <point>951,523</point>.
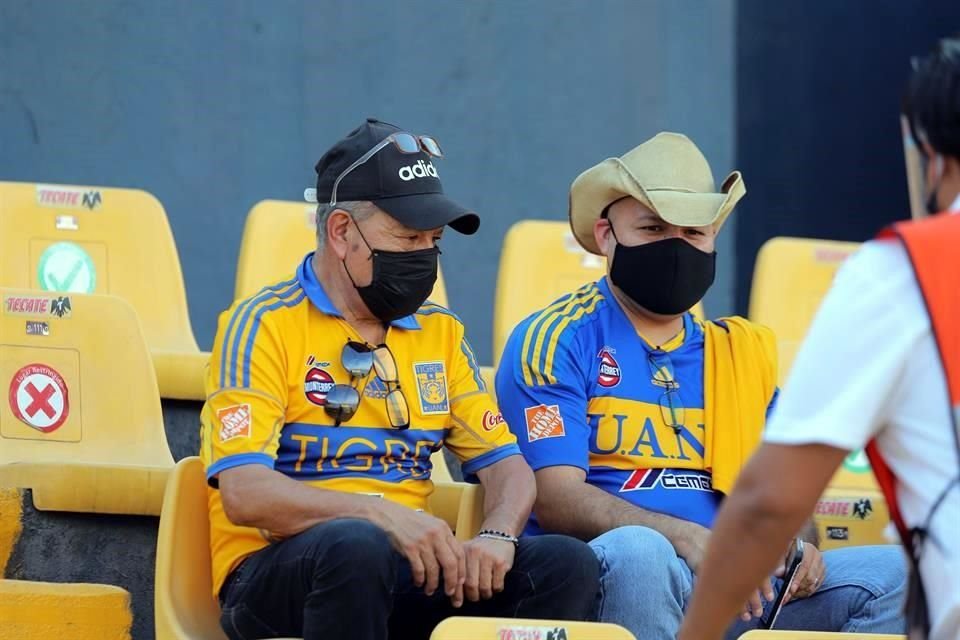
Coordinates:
<point>405,185</point>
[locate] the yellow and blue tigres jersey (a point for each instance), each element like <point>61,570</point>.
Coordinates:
<point>275,357</point>
<point>580,387</point>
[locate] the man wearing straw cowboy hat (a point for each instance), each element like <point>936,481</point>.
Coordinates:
<point>637,416</point>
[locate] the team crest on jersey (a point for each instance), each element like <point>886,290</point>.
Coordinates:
<point>609,370</point>
<point>316,385</point>
<point>432,387</point>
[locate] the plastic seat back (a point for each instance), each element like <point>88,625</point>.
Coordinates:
<point>74,239</point>
<point>791,278</point>
<point>464,628</point>
<point>83,427</point>
<point>78,239</point>
<point>184,608</point>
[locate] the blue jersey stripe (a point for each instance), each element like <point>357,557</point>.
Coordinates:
<point>430,308</point>
<point>545,335</point>
<point>267,296</point>
<point>535,328</point>
<point>472,361</point>
<point>224,347</point>
<point>248,349</point>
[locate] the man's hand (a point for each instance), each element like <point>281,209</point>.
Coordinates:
<point>754,606</point>
<point>691,544</point>
<point>809,576</point>
<point>488,561</point>
<point>429,545</point>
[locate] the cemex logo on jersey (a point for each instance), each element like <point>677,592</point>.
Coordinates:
<point>609,373</point>
<point>420,170</point>
<point>646,479</point>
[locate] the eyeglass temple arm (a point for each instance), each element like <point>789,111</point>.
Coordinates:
<point>359,161</point>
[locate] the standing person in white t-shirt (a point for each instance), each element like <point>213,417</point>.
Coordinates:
<point>881,365</point>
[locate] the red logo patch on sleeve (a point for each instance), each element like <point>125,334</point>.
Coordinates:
<point>235,422</point>
<point>491,420</point>
<point>543,421</point>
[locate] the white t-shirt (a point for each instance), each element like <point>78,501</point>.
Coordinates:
<point>870,367</point>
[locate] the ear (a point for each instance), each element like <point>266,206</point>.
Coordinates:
<point>603,234</point>
<point>338,226</point>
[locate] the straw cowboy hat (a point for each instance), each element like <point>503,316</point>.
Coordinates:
<point>667,173</point>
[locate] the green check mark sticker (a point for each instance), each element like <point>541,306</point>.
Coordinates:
<point>857,462</point>
<point>67,268</point>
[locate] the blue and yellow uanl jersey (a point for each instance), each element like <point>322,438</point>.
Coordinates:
<point>580,387</point>
<point>275,357</point>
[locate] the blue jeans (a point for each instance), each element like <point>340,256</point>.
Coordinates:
<point>343,579</point>
<point>645,587</point>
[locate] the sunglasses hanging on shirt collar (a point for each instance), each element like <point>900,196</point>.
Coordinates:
<point>358,359</point>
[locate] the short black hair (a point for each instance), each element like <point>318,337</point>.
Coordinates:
<point>931,102</point>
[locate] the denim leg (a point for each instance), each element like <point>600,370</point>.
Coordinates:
<point>553,577</point>
<point>644,585</point>
<point>332,581</point>
<point>864,591</point>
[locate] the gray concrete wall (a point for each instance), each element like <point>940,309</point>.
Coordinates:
<point>213,106</point>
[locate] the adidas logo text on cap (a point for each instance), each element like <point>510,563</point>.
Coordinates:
<point>419,170</point>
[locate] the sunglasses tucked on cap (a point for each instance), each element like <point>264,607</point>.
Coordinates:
<point>395,170</point>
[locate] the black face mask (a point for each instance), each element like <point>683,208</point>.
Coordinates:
<point>666,277</point>
<point>402,281</point>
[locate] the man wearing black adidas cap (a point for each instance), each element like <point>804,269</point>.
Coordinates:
<point>327,394</point>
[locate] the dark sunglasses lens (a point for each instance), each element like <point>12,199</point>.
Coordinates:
<point>357,359</point>
<point>431,146</point>
<point>406,142</point>
<point>342,402</point>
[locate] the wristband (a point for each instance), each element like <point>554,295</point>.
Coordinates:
<point>499,535</point>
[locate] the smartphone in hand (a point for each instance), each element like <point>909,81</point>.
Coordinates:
<point>794,558</point>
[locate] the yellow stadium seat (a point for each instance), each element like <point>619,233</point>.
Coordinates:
<point>790,279</point>
<point>72,239</point>
<point>41,610</point>
<point>184,608</point>
<point>278,233</point>
<point>83,427</point>
<point>540,262</point>
<point>460,505</point>
<point>463,628</point>
<point>760,634</point>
